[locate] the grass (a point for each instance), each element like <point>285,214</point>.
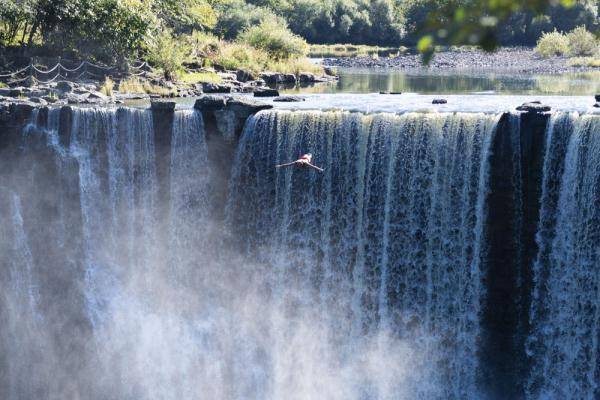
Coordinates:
<point>139,86</point>
<point>196,77</point>
<point>584,62</point>
<point>294,66</point>
<point>3,85</point>
<point>350,50</point>
<point>107,87</point>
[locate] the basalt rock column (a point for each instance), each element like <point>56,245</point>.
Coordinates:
<point>511,224</point>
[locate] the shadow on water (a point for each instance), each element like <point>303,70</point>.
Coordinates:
<point>454,82</point>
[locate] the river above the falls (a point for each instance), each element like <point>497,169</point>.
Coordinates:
<point>412,102</point>
<point>426,81</point>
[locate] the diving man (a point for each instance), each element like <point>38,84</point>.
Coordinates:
<point>302,162</point>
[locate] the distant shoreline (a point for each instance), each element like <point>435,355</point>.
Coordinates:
<point>518,60</point>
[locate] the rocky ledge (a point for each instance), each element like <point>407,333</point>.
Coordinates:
<point>89,92</point>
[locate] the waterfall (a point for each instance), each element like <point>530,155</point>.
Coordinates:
<point>566,307</point>
<point>387,240</point>
<point>410,268</point>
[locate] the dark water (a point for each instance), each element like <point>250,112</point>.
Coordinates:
<point>376,80</point>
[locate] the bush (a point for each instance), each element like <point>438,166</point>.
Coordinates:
<point>168,53</point>
<point>203,45</point>
<point>240,55</point>
<point>552,44</point>
<point>581,42</point>
<point>236,16</point>
<point>276,39</point>
<point>136,85</point>
<point>584,62</point>
<point>107,86</point>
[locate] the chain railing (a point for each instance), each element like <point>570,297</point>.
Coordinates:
<point>85,69</point>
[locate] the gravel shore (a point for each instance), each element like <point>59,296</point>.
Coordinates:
<point>515,60</point>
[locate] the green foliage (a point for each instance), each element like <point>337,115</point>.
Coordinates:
<point>276,39</point>
<point>349,50</point>
<point>186,15</point>
<point>236,16</point>
<point>167,53</point>
<point>552,44</point>
<point>581,42</point>
<point>234,55</point>
<point>107,87</point>
<point>114,31</point>
<point>195,77</point>
<point>585,62</point>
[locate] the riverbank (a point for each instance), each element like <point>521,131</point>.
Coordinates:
<point>97,92</point>
<point>508,60</point>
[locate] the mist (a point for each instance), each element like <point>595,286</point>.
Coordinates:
<point>113,292</point>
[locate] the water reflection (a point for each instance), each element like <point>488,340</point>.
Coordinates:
<point>369,81</point>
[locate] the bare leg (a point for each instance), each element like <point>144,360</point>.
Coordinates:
<point>315,167</point>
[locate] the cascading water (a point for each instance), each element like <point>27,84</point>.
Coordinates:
<point>386,240</point>
<point>566,308</point>
<point>370,280</point>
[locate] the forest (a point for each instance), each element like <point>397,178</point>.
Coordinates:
<point>258,32</point>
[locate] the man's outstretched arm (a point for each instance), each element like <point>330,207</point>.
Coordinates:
<point>285,165</point>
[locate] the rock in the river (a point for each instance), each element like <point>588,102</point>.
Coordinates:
<point>11,92</point>
<point>533,107</point>
<point>98,95</point>
<point>597,97</point>
<point>289,99</point>
<point>210,102</point>
<point>266,93</point>
<point>439,101</point>
<point>271,78</point>
<point>597,105</point>
<point>162,105</point>
<point>208,87</point>
<point>243,75</point>
<point>75,99</point>
<point>247,106</point>
<point>306,77</point>
<point>289,79</point>
<point>38,100</point>
<point>65,86</point>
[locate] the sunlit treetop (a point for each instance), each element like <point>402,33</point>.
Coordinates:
<point>474,22</point>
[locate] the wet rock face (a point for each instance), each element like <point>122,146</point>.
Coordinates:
<point>289,99</point>
<point>162,105</point>
<point>266,92</point>
<point>534,107</point>
<point>216,88</point>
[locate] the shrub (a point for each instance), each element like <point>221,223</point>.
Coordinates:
<point>107,87</point>
<point>203,45</point>
<point>276,39</point>
<point>168,53</point>
<point>552,44</point>
<point>295,66</point>
<point>195,77</point>
<point>136,85</point>
<point>584,62</point>
<point>240,55</point>
<point>235,16</point>
<point>581,42</point>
